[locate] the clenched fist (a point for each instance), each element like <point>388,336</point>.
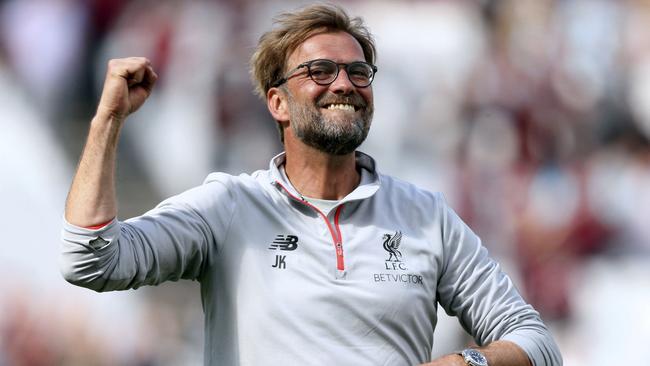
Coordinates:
<point>129,82</point>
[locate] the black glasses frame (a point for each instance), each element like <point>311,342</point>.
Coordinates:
<point>338,68</point>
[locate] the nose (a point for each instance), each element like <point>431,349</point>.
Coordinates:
<point>342,83</point>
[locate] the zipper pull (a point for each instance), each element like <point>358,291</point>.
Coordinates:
<point>339,249</point>
<point>341,274</point>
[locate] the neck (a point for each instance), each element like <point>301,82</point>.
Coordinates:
<point>319,175</point>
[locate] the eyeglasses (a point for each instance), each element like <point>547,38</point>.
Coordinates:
<point>324,72</point>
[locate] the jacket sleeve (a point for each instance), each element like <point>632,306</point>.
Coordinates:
<point>172,241</point>
<point>473,288</point>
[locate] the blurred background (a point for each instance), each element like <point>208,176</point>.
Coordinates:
<point>531,116</point>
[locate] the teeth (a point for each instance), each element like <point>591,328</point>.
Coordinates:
<point>344,107</point>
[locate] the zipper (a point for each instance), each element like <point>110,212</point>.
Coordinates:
<point>335,230</point>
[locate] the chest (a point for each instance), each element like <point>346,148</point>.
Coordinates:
<point>360,257</point>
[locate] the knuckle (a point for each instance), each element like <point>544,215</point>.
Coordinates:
<point>141,61</point>
<point>114,65</point>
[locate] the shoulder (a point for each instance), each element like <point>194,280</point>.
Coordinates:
<point>422,207</point>
<point>220,189</point>
<point>399,189</point>
<point>256,183</point>
<point>241,181</point>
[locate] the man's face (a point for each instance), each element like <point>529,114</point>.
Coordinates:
<point>332,118</point>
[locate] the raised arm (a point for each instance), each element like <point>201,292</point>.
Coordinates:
<point>92,200</point>
<point>169,242</point>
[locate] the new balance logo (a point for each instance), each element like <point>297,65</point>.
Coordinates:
<point>284,242</point>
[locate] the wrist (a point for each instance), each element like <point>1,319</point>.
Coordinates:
<point>454,359</point>
<point>106,125</point>
<point>473,357</point>
<point>106,115</point>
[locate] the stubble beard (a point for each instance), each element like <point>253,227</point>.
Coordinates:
<point>331,135</point>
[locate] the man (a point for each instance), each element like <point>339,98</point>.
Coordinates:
<point>317,260</point>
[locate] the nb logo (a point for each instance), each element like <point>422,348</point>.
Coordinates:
<point>284,242</point>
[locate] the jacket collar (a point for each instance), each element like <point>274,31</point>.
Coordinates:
<point>368,186</point>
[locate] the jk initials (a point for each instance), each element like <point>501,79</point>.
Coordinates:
<point>280,262</point>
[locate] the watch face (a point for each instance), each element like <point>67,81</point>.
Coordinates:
<point>475,357</point>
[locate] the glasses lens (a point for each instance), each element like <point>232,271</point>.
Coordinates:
<point>360,73</point>
<point>323,71</point>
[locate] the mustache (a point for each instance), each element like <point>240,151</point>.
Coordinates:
<point>353,99</point>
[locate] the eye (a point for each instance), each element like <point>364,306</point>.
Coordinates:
<point>360,71</point>
<point>323,70</point>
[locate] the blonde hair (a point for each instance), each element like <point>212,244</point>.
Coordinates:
<point>269,61</point>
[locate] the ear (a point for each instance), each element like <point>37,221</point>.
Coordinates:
<point>276,101</point>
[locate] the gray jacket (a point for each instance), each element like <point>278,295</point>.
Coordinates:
<point>284,284</point>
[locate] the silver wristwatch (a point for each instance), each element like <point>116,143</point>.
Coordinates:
<point>473,357</point>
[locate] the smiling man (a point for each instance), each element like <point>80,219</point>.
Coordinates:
<point>318,260</point>
<point>328,114</point>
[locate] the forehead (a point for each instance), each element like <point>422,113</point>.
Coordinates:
<point>337,46</point>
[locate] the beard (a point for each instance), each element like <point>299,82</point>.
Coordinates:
<point>334,135</point>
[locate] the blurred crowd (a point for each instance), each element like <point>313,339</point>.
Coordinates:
<point>531,116</point>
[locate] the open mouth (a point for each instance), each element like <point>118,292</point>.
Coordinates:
<point>341,107</point>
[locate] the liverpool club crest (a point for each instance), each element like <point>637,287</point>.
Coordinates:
<point>391,245</point>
